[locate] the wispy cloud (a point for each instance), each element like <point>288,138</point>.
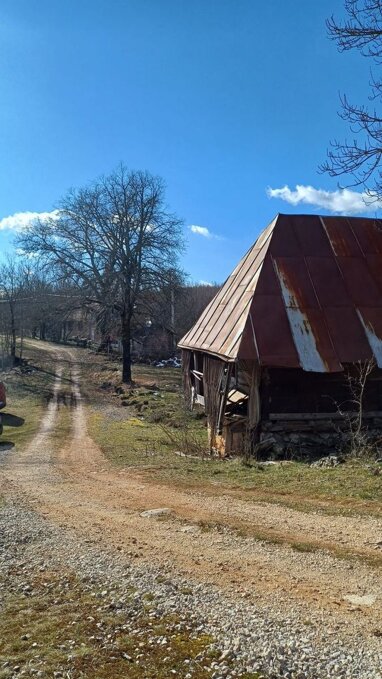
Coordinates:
<point>201,231</point>
<point>204,232</point>
<point>342,201</point>
<point>206,283</point>
<point>21,220</point>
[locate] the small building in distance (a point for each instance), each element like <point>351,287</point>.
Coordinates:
<point>271,355</point>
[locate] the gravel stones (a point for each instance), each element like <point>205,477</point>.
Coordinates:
<point>153,513</point>
<point>247,639</point>
<point>366,600</point>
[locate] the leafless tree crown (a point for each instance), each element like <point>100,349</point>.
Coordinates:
<point>116,241</point>
<point>361,157</point>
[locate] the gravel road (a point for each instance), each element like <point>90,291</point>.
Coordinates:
<point>289,614</point>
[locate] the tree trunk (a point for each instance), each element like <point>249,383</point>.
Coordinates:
<point>13,337</point>
<point>126,350</point>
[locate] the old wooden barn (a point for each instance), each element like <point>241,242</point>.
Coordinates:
<point>270,356</point>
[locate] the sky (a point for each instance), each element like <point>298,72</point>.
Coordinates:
<point>232,102</point>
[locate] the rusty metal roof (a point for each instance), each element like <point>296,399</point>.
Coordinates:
<point>307,294</point>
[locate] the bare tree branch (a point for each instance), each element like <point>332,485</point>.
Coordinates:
<point>115,240</point>
<point>359,158</point>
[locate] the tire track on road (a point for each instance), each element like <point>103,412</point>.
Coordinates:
<point>78,488</point>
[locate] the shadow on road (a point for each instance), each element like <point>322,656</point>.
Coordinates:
<point>6,445</point>
<point>52,374</point>
<point>12,420</point>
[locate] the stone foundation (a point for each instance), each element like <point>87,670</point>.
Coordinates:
<point>310,438</point>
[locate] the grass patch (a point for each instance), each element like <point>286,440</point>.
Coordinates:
<point>154,427</point>
<point>30,409</point>
<point>146,445</point>
<point>142,443</point>
<point>303,547</point>
<point>135,425</point>
<point>29,389</point>
<point>59,624</point>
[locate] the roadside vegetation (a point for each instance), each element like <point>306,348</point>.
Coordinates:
<point>147,428</point>
<point>55,624</point>
<point>29,389</point>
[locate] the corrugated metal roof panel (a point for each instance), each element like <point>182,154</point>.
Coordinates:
<point>326,277</point>
<point>347,335</point>
<point>308,293</point>
<point>284,240</point>
<point>368,233</point>
<point>310,235</point>
<point>359,281</point>
<point>341,237</point>
<point>271,328</point>
<point>298,291</point>
<point>220,327</point>
<point>371,320</point>
<point>375,269</point>
<point>307,325</point>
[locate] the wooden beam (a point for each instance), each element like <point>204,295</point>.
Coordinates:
<point>322,416</point>
<point>223,398</point>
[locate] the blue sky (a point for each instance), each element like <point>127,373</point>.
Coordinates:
<point>222,98</point>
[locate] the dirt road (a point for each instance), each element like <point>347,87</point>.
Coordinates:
<point>76,487</point>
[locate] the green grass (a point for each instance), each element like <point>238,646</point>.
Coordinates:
<point>154,427</point>
<point>144,422</point>
<point>27,407</point>
<point>28,393</point>
<point>146,445</point>
<point>60,625</point>
<point>141,442</point>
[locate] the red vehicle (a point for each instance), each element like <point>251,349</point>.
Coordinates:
<point>3,402</point>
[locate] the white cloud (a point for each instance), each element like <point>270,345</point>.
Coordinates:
<point>204,232</point>
<point>342,201</point>
<point>21,220</point>
<point>201,231</point>
<point>207,283</point>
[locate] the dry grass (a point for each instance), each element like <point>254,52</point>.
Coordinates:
<point>275,536</point>
<point>30,410</point>
<point>61,625</point>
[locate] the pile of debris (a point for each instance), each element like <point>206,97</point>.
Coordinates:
<point>328,462</point>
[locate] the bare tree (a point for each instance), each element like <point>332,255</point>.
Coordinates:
<point>114,240</point>
<point>13,286</point>
<point>49,306</point>
<point>361,157</point>
<point>190,302</point>
<point>352,409</point>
